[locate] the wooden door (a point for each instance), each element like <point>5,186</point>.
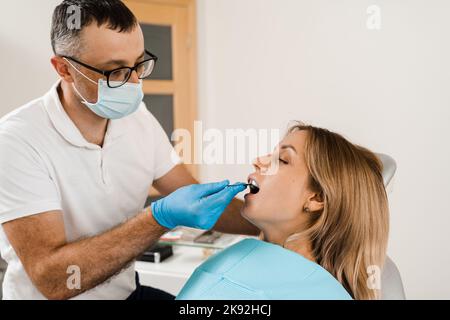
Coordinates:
<point>170,32</point>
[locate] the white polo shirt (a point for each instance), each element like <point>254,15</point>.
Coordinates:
<point>46,164</point>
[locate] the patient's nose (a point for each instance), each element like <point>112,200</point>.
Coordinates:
<point>262,162</point>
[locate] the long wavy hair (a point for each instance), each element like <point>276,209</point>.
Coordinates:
<point>349,235</point>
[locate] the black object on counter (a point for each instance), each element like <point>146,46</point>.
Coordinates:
<point>157,253</point>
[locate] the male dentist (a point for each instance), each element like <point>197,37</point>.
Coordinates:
<point>77,164</point>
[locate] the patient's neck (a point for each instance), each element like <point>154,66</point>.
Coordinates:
<point>301,245</point>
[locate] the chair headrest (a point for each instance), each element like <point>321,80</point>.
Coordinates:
<point>389,167</point>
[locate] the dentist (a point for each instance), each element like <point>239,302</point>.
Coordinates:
<point>77,165</point>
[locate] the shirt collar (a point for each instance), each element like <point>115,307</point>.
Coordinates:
<point>68,130</point>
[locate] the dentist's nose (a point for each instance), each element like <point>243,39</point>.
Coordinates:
<point>134,77</point>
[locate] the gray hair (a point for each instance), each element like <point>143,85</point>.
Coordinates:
<point>71,16</point>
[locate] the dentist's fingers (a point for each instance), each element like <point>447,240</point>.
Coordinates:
<point>238,184</point>
<point>206,189</point>
<point>218,202</point>
<point>225,196</point>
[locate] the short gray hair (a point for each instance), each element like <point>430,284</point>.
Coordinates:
<point>66,39</point>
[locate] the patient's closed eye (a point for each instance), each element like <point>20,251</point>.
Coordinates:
<point>284,156</point>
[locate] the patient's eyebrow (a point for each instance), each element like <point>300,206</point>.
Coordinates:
<point>288,146</point>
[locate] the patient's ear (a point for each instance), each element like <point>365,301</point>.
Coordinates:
<point>315,202</point>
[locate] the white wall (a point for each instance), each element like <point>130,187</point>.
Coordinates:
<point>264,62</point>
<point>25,51</point>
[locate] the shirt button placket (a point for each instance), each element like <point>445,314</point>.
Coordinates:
<point>102,167</point>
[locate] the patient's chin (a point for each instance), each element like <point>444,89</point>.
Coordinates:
<point>249,212</point>
<point>246,216</point>
<point>245,210</point>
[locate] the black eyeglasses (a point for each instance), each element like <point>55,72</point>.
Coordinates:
<point>118,77</point>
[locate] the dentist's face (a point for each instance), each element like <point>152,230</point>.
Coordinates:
<point>283,193</point>
<point>106,49</point>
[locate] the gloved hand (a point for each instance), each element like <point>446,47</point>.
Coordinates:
<point>196,206</point>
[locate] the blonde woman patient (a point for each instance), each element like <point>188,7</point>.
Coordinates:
<point>323,214</point>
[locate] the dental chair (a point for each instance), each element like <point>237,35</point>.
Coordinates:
<point>391,282</point>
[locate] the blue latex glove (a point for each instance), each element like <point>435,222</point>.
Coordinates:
<point>196,206</point>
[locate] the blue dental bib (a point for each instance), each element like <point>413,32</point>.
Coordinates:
<point>257,270</point>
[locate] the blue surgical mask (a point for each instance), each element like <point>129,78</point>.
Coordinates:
<point>114,103</point>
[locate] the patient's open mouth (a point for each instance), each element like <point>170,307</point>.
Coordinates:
<point>253,185</point>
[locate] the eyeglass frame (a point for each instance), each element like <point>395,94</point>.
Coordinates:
<point>108,73</point>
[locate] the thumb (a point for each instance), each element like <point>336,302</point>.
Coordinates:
<point>227,194</point>
<point>207,189</point>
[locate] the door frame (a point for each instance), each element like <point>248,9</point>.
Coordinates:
<point>185,112</point>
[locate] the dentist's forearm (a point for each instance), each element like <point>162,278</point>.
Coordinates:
<point>98,258</point>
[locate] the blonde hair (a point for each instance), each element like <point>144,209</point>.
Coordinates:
<point>349,235</point>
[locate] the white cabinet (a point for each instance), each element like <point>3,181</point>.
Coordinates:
<point>171,274</point>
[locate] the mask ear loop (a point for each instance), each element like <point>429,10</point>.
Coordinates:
<point>73,84</point>
<point>85,76</point>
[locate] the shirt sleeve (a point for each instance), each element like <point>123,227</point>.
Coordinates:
<point>26,187</point>
<point>165,156</point>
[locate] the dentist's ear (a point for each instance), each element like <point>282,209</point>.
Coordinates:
<point>315,203</point>
<point>61,67</point>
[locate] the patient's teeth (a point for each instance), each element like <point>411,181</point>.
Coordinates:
<point>254,188</point>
